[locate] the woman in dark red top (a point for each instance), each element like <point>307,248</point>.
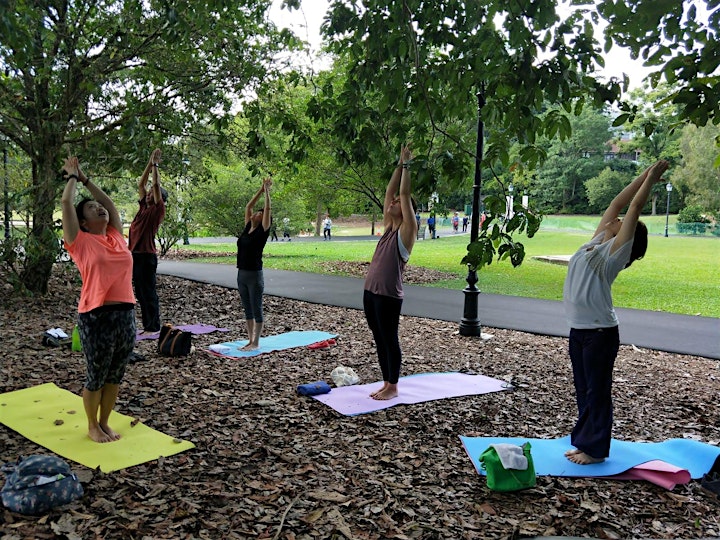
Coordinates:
<point>141,241</point>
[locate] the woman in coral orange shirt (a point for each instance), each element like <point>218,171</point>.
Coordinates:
<point>92,231</point>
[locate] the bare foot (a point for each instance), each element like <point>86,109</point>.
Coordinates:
<point>385,394</point>
<point>249,347</point>
<point>98,435</point>
<point>572,452</point>
<point>114,435</point>
<point>581,458</point>
<point>376,392</point>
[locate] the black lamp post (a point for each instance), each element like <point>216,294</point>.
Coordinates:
<point>6,190</point>
<point>185,164</point>
<point>668,187</point>
<point>470,323</point>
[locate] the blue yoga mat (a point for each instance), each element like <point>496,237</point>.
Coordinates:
<point>548,455</point>
<point>278,342</point>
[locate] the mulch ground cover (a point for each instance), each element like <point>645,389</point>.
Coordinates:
<point>272,464</point>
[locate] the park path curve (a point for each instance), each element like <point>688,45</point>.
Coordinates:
<point>681,334</point>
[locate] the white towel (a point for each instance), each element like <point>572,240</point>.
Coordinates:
<point>220,349</point>
<point>511,456</point>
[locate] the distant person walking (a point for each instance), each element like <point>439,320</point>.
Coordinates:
<point>327,228</point>
<point>431,225</point>
<point>383,295</point>
<point>141,241</point>
<point>594,336</point>
<point>250,246</point>
<point>286,229</point>
<point>455,222</point>
<point>92,231</point>
<point>464,223</point>
<point>273,231</point>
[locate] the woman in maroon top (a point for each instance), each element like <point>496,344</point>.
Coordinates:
<point>141,240</point>
<point>382,298</point>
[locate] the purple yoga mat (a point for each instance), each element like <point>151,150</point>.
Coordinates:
<point>196,329</point>
<point>354,400</point>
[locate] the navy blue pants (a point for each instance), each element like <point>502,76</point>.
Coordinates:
<point>383,317</point>
<point>593,353</point>
<point>145,282</point>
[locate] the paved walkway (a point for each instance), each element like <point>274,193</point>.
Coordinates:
<point>683,334</point>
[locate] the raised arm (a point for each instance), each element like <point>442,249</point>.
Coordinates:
<point>70,223</point>
<point>142,182</point>
<point>408,227</point>
<point>620,201</point>
<point>391,190</point>
<point>155,159</point>
<point>267,214</point>
<point>251,204</point>
<point>100,196</point>
<point>151,168</point>
<point>652,176</point>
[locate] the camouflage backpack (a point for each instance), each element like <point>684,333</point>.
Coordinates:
<point>36,484</point>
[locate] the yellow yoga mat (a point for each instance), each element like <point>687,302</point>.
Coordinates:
<point>55,419</point>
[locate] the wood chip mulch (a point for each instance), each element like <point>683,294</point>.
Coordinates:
<point>271,464</point>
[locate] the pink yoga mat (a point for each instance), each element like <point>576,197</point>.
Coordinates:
<point>354,400</point>
<point>658,472</point>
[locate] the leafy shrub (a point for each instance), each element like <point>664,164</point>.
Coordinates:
<point>692,220</point>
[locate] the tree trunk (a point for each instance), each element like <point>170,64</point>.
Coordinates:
<point>41,246</point>
<point>318,218</point>
<point>654,204</point>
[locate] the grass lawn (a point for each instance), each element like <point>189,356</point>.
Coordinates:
<point>679,274</point>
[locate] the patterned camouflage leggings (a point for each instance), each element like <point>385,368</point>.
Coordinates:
<point>108,339</point>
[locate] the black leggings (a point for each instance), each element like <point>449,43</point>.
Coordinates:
<point>144,279</point>
<point>383,317</point>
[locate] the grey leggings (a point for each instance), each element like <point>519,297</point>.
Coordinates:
<point>251,285</point>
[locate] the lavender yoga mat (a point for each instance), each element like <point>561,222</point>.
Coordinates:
<point>354,400</point>
<point>196,329</point>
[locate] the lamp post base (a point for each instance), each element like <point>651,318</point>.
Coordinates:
<point>470,323</point>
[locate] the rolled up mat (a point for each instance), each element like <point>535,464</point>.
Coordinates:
<point>314,388</point>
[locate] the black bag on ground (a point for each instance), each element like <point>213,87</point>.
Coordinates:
<point>37,484</point>
<point>173,341</point>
